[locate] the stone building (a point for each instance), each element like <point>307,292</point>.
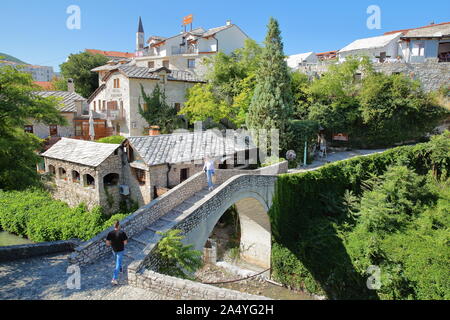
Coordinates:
<point>86,172</point>
<point>161,162</point>
<point>141,168</point>
<point>119,95</point>
<point>75,110</point>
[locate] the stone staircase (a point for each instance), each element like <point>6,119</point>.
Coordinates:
<point>138,242</point>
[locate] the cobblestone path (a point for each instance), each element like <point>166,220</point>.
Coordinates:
<point>45,278</point>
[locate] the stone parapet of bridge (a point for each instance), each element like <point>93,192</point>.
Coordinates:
<point>95,248</point>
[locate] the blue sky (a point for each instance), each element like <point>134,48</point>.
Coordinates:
<point>35,30</point>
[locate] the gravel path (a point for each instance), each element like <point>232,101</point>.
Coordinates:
<point>44,278</point>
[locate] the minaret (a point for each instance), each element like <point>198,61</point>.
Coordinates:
<point>140,37</point>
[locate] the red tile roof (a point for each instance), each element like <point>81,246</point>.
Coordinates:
<point>112,54</point>
<point>46,85</point>
<point>407,30</point>
<point>328,52</point>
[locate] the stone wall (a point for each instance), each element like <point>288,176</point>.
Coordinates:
<point>10,253</point>
<point>198,222</point>
<point>76,192</point>
<point>148,214</point>
<point>432,74</point>
<point>182,289</point>
<point>73,193</point>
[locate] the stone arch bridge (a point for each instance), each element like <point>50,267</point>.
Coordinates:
<point>193,209</point>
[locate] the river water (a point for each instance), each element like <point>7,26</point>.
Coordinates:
<point>9,239</point>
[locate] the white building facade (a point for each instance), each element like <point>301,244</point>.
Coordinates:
<point>119,95</point>
<point>186,50</point>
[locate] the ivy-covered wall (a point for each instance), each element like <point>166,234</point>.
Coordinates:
<point>310,228</point>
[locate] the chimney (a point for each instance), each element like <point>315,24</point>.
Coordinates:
<point>154,131</point>
<point>79,106</point>
<point>228,22</point>
<point>70,85</point>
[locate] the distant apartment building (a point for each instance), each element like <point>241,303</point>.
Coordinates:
<point>39,73</point>
<point>184,51</point>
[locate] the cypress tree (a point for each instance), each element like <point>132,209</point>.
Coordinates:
<point>271,104</point>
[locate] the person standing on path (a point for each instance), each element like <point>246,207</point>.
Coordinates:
<point>117,239</point>
<point>209,169</point>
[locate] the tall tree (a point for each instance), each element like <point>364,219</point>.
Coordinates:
<point>78,67</point>
<point>19,104</point>
<point>271,105</point>
<point>157,112</point>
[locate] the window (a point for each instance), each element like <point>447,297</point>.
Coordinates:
<point>151,64</point>
<point>357,77</point>
<point>184,174</point>
<point>166,64</point>
<point>104,105</point>
<point>29,129</point>
<point>116,83</point>
<point>177,106</point>
<point>191,63</point>
<point>51,170</point>
<point>112,105</point>
<point>75,176</point>
<point>145,106</point>
<point>418,49</point>
<point>111,179</point>
<point>140,176</point>
<point>95,109</point>
<point>62,173</point>
<point>53,130</point>
<point>89,181</point>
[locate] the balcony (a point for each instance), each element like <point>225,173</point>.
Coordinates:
<point>183,50</point>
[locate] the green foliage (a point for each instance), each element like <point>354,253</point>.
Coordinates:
<point>271,104</point>
<point>158,112</point>
<point>19,105</point>
<point>175,258</point>
<point>378,110</point>
<point>201,104</point>
<point>34,214</point>
<point>329,225</point>
<point>300,89</point>
<point>271,161</point>
<point>59,84</point>
<point>303,131</point>
<point>112,139</point>
<point>230,88</point>
<point>78,67</point>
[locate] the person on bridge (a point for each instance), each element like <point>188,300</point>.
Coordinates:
<point>209,169</point>
<point>117,239</point>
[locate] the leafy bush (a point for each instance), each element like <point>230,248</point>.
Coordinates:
<point>175,258</point>
<point>329,225</point>
<point>34,214</point>
<point>112,139</point>
<point>271,161</point>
